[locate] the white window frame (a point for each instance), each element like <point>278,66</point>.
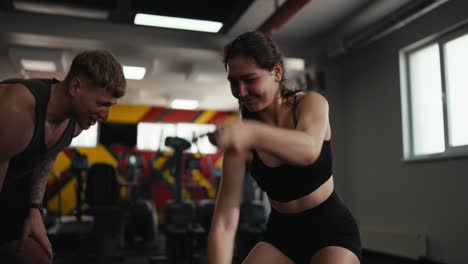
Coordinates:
<point>177,133</point>
<point>83,140</point>
<point>440,39</point>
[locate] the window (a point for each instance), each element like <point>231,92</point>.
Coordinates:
<point>187,131</point>
<point>148,136</point>
<point>151,136</point>
<point>456,65</point>
<point>87,138</point>
<point>434,95</point>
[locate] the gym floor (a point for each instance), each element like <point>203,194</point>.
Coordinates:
<point>154,255</point>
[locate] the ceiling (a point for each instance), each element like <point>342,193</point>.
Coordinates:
<point>180,64</point>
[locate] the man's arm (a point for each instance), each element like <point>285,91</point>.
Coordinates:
<point>33,224</point>
<point>17,109</point>
<point>3,170</point>
<point>39,180</point>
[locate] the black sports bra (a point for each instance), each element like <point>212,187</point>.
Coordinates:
<point>287,182</point>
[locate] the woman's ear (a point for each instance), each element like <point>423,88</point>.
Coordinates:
<point>278,72</point>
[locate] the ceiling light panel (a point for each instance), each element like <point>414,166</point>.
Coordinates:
<point>134,72</point>
<point>38,65</point>
<point>184,104</point>
<point>177,23</point>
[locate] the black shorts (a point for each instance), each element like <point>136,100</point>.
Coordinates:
<point>14,198</point>
<point>299,236</point>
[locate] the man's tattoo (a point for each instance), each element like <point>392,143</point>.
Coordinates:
<point>39,180</point>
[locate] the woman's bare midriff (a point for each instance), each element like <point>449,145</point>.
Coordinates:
<point>309,201</point>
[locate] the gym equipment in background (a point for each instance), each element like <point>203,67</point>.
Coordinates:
<point>141,221</point>
<point>180,223</point>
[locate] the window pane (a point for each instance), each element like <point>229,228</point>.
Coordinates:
<point>187,131</point>
<point>151,136</point>
<point>426,101</point>
<point>456,62</point>
<point>87,138</point>
<point>148,136</point>
<point>168,130</point>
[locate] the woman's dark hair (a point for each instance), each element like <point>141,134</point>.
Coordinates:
<point>266,54</point>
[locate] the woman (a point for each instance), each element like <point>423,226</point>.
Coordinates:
<point>285,135</point>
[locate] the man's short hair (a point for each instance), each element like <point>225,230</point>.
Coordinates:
<point>101,67</point>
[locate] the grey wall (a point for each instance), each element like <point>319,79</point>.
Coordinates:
<point>363,88</point>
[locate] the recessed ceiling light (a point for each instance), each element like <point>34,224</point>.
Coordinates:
<point>60,9</point>
<point>38,65</point>
<point>184,104</point>
<point>207,78</point>
<point>134,72</point>
<point>177,23</point>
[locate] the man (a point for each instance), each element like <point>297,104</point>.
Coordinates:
<point>39,118</point>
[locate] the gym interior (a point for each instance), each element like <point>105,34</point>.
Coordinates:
<point>141,187</point>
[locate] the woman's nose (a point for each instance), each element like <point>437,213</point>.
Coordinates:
<point>242,90</point>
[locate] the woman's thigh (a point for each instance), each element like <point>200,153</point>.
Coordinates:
<point>334,255</point>
<point>266,253</point>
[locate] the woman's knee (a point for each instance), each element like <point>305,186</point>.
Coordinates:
<point>334,254</point>
<point>266,253</point>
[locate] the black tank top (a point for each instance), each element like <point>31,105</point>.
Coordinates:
<point>287,182</point>
<point>36,152</point>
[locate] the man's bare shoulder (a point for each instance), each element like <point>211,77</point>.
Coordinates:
<point>17,94</point>
<point>17,117</point>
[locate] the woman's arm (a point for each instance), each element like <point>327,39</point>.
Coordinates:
<point>226,213</point>
<point>300,146</point>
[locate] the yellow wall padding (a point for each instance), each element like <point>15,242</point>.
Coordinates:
<point>61,163</point>
<point>124,190</point>
<point>171,180</point>
<point>127,113</point>
<point>168,177</point>
<point>219,162</point>
<point>159,162</point>
<point>186,195</point>
<point>200,179</point>
<point>232,117</point>
<point>68,192</point>
<point>67,195</point>
<point>205,117</point>
<point>98,154</point>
